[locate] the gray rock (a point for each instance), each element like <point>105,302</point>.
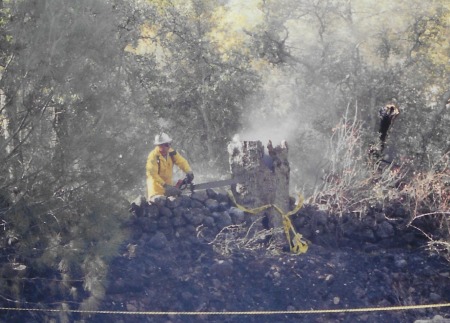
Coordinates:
<point>369,221</point>
<point>178,212</point>
<point>148,224</point>
<point>201,196</point>
<point>209,221</point>
<point>223,206</point>
<point>191,229</point>
<point>169,232</point>
<point>366,234</point>
<point>164,222</point>
<point>158,241</point>
<point>221,197</point>
<point>379,217</point>
<point>183,233</point>
<point>224,220</point>
<point>206,211</point>
<point>320,218</point>
<point>197,219</point>
<point>211,193</point>
<point>173,202</point>
<point>212,205</point>
<point>165,212</point>
<point>188,215</point>
<point>196,204</point>
<point>237,215</point>
<point>178,221</point>
<point>197,210</point>
<point>435,297</point>
<point>151,211</point>
<point>158,200</point>
<point>185,201</point>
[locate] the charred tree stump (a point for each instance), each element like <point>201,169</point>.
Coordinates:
<point>264,180</point>
<point>387,115</point>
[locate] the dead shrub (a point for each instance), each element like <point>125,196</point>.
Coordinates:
<point>353,182</point>
<point>428,197</point>
<point>240,237</point>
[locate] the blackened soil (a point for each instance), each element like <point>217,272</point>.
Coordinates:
<point>378,262</point>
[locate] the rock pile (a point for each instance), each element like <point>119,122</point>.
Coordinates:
<point>202,215</point>
<point>378,227</point>
<point>183,218</point>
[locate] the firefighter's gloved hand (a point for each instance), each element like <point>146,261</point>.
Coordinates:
<point>190,177</point>
<point>171,190</point>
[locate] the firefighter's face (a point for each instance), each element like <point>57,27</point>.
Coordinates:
<point>164,148</point>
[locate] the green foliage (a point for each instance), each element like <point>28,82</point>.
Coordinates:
<point>64,153</point>
<point>202,91</point>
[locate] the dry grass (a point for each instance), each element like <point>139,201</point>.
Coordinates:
<point>235,238</point>
<point>428,198</point>
<point>353,183</point>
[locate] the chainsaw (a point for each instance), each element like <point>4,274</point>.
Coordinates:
<point>184,184</point>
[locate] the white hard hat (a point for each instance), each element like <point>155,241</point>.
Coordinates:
<point>162,138</point>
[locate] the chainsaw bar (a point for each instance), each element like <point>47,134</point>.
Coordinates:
<point>214,184</point>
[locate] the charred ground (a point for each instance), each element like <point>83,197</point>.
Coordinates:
<point>373,261</point>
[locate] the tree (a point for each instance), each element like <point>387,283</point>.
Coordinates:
<point>203,89</point>
<point>65,137</point>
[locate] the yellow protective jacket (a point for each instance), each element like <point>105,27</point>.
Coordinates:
<point>159,170</point>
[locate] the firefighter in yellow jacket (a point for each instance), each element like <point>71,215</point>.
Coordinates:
<point>159,168</point>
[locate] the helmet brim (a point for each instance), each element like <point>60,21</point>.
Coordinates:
<point>162,138</point>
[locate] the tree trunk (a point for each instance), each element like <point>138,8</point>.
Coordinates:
<point>60,135</point>
<point>265,180</point>
<point>11,137</point>
<point>207,123</point>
